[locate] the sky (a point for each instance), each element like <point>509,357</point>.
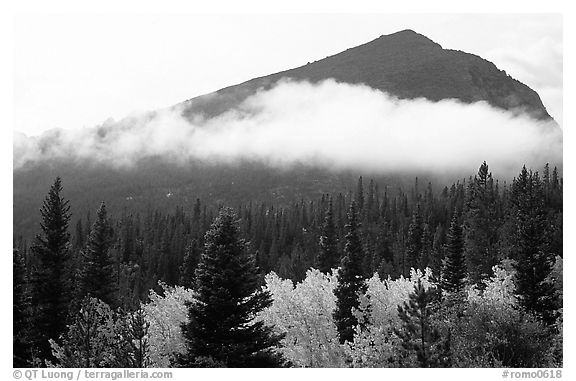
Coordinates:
<point>77,70</point>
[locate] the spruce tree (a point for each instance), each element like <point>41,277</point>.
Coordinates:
<point>454,268</point>
<point>328,253</point>
<point>383,256</point>
<point>359,196</point>
<point>481,224</point>
<point>20,310</point>
<point>417,333</point>
<point>371,203</point>
<point>135,333</point>
<point>530,246</point>
<point>414,244</point>
<point>50,291</point>
<point>221,327</point>
<point>97,275</point>
<point>191,258</point>
<point>351,284</point>
<point>425,247</point>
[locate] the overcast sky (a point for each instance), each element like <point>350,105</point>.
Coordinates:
<point>74,71</point>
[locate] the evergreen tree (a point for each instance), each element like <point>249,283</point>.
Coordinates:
<point>454,268</point>
<point>359,196</point>
<point>50,292</point>
<point>221,325</point>
<point>79,235</point>
<point>417,333</point>
<point>191,258</point>
<point>533,259</point>
<point>426,247</point>
<point>414,242</point>
<point>383,256</point>
<point>351,284</point>
<point>20,309</point>
<point>97,276</point>
<point>328,253</point>
<point>438,250</point>
<point>481,224</point>
<point>136,336</point>
<point>371,203</point>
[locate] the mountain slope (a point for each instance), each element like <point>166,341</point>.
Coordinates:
<point>405,64</point>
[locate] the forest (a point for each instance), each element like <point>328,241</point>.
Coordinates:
<point>380,276</point>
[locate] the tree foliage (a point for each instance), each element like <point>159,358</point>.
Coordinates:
<point>97,278</point>
<point>531,246</point>
<point>328,246</point>
<point>351,283</point>
<point>418,334</point>
<point>221,323</point>
<point>49,281</point>
<point>454,268</point>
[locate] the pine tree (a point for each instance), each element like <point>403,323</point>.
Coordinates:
<point>191,259</point>
<point>530,250</point>
<point>328,254</point>
<point>50,291</point>
<point>20,310</point>
<point>221,325</point>
<point>414,243</point>
<point>425,247</point>
<point>79,235</point>
<point>136,336</point>
<point>359,196</point>
<point>371,203</point>
<point>438,250</point>
<point>481,224</point>
<point>454,268</point>
<point>383,257</point>
<point>351,284</point>
<point>417,333</point>
<point>97,275</point>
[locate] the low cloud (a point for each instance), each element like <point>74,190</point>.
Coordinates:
<point>336,125</point>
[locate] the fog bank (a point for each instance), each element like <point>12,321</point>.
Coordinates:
<point>336,125</point>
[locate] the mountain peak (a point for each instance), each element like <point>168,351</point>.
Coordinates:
<point>405,64</point>
<point>407,37</point>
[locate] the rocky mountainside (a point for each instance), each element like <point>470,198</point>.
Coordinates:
<point>405,64</point>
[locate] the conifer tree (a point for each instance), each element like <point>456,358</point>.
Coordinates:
<point>530,249</point>
<point>383,256</point>
<point>454,268</point>
<point>50,291</point>
<point>20,310</point>
<point>414,244</point>
<point>438,250</point>
<point>417,333</point>
<point>79,235</point>
<point>328,253</point>
<point>135,333</point>
<point>221,327</point>
<point>481,224</point>
<point>371,203</point>
<point>191,258</point>
<point>97,275</point>
<point>426,247</point>
<point>351,284</point>
<point>359,196</point>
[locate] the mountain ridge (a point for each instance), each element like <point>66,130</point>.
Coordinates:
<point>405,64</point>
